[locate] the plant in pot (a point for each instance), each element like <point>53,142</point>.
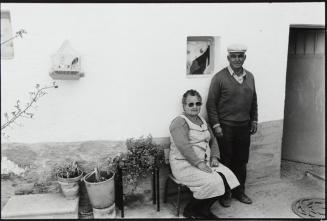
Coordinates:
<point>69,175</point>
<point>142,156</point>
<point>100,187</point>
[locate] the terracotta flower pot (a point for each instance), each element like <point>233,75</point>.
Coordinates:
<point>70,186</point>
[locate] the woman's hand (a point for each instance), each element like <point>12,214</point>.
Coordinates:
<point>214,162</point>
<point>204,167</point>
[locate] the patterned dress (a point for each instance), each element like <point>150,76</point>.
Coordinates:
<point>202,184</point>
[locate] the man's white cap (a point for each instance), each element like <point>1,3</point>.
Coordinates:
<point>236,48</point>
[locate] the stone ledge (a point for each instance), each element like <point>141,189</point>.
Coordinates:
<point>40,206</point>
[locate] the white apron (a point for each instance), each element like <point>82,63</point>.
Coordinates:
<point>202,184</point>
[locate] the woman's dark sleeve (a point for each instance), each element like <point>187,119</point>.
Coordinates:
<point>179,132</point>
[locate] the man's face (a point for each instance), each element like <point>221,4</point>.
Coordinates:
<point>236,59</point>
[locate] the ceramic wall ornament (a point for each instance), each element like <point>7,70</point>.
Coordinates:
<point>66,63</point>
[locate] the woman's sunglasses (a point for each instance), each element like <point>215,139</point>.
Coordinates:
<point>198,104</point>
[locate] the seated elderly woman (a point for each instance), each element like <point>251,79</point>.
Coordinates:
<point>194,158</point>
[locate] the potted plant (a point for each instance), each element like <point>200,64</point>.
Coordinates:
<point>69,174</point>
<point>100,187</point>
<point>142,156</point>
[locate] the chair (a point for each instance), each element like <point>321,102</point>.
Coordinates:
<point>171,178</point>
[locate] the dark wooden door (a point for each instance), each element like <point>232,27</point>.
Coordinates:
<point>304,116</point>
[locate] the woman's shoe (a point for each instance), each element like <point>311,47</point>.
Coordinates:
<point>211,216</point>
<point>206,211</point>
<point>191,210</point>
<point>193,215</point>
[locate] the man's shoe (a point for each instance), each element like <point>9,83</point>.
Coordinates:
<point>243,198</point>
<point>225,201</point>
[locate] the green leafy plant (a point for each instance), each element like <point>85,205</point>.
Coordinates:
<point>141,158</point>
<point>69,169</point>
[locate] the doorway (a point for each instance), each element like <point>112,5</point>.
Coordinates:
<point>304,113</point>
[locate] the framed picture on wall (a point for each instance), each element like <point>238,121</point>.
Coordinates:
<point>200,55</point>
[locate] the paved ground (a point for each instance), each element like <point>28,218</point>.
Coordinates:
<point>271,200</point>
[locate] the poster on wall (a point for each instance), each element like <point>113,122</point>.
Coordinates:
<point>200,55</point>
<point>7,48</point>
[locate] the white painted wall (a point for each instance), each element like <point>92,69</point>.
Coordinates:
<point>135,63</point>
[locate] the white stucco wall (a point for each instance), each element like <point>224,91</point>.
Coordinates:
<point>134,58</point>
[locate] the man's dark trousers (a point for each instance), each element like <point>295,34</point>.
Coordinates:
<point>234,148</point>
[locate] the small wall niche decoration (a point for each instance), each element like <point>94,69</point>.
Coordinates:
<point>200,55</point>
<point>66,63</point>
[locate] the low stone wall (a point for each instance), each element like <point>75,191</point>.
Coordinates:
<point>265,153</point>
<point>38,159</point>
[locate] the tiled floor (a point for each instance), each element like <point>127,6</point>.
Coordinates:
<point>271,200</point>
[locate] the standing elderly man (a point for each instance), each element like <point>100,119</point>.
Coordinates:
<point>233,114</point>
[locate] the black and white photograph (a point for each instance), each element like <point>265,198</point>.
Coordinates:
<point>200,56</point>
<point>171,110</point>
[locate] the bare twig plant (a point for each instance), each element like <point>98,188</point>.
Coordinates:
<point>18,34</point>
<point>24,110</point>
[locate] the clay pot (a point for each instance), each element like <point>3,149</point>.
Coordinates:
<point>101,194</point>
<point>70,186</point>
